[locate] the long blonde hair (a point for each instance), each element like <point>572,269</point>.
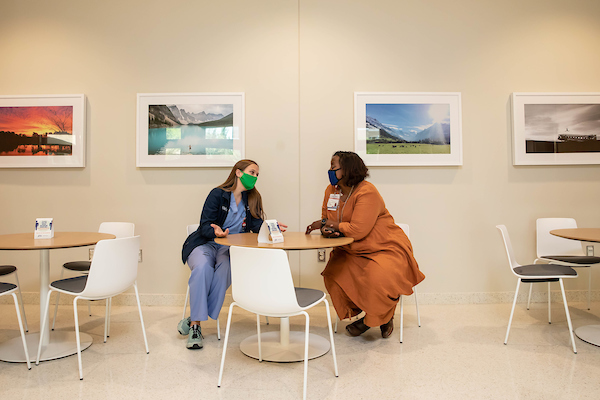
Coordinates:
<point>254,197</point>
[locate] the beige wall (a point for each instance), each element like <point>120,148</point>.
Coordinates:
<point>299,63</point>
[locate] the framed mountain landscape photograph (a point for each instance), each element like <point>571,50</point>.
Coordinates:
<point>190,129</point>
<point>45,131</point>
<point>556,128</point>
<point>408,129</point>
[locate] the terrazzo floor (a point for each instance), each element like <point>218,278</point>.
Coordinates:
<point>457,353</point>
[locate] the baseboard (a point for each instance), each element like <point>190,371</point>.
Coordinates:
<point>128,299</point>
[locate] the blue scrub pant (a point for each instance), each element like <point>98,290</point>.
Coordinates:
<point>210,278</point>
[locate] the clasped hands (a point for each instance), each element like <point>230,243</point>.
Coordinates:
<point>331,229</point>
<point>221,234</point>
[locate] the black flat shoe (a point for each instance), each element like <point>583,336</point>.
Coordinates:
<point>387,329</point>
<point>357,328</point>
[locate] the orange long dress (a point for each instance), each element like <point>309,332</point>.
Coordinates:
<point>371,273</point>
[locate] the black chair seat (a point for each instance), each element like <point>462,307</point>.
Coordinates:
<point>306,297</point>
<point>73,285</point>
<point>7,269</point>
<point>533,270</point>
<point>80,266</point>
<point>5,287</point>
<point>584,260</point>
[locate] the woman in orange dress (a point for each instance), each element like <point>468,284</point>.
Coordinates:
<point>371,273</point>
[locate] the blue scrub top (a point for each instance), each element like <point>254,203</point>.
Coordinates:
<point>235,216</point>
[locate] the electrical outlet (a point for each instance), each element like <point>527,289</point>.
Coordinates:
<point>590,251</point>
<point>321,255</point>
<point>91,255</point>
<point>140,256</point>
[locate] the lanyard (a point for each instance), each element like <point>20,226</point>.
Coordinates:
<point>340,216</point>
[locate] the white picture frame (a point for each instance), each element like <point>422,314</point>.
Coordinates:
<point>416,128</point>
<point>42,131</point>
<point>176,129</point>
<point>555,128</point>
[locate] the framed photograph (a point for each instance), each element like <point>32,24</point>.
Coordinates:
<point>556,128</point>
<point>407,129</point>
<point>190,129</point>
<point>42,131</point>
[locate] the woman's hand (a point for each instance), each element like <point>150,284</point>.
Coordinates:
<point>219,232</point>
<point>329,232</point>
<point>313,227</point>
<point>282,227</point>
<point>334,225</point>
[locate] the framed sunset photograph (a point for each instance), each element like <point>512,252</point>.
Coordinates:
<point>190,129</point>
<point>42,131</point>
<point>556,128</point>
<point>408,129</point>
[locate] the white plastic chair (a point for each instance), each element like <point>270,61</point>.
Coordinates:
<point>120,230</point>
<point>113,271</point>
<point>535,273</point>
<point>11,288</point>
<point>406,230</point>
<point>11,269</point>
<point>557,250</point>
<point>262,284</point>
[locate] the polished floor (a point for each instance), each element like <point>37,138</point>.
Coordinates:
<point>457,353</point>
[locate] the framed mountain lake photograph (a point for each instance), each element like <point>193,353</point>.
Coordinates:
<point>408,129</point>
<point>42,131</point>
<point>556,128</point>
<point>190,129</point>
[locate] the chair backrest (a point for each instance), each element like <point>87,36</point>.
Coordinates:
<point>405,228</point>
<point>119,229</point>
<point>114,267</point>
<point>261,281</point>
<point>192,228</point>
<point>512,262</point>
<point>550,245</point>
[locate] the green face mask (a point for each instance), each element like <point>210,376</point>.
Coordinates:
<point>248,181</point>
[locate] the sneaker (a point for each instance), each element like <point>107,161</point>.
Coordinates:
<point>183,327</point>
<point>195,338</point>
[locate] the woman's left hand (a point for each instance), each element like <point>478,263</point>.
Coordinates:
<point>282,227</point>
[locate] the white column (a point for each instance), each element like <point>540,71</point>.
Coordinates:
<point>44,282</point>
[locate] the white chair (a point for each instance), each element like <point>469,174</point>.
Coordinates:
<point>113,271</point>
<point>535,273</point>
<point>406,230</point>
<point>10,269</point>
<point>262,284</point>
<point>10,288</point>
<point>557,250</point>
<point>120,230</point>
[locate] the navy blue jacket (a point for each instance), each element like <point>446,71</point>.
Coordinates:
<point>215,212</point>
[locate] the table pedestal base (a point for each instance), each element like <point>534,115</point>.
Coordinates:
<point>589,334</point>
<point>62,344</point>
<point>272,350</point>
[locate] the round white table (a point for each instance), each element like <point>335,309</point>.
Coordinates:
<point>589,333</point>
<point>285,346</point>
<point>54,344</point>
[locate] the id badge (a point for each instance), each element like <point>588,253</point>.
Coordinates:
<point>333,202</point>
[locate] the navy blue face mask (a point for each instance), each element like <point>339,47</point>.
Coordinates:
<point>332,177</point>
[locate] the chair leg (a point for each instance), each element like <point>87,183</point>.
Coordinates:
<point>512,311</point>
<point>44,322</point>
<point>337,319</point>
<point>589,289</point>
<point>137,297</point>
<point>267,318</point>
<point>22,332</point>
<point>187,296</point>
<point>562,289</point>
<point>89,308</point>
<point>417,304</point>
<point>306,336</point>
<point>549,305</point>
<point>23,304</point>
<point>218,330</point>
<point>77,337</point>
<point>62,271</point>
<point>331,338</point>
<point>258,337</point>
<point>401,318</point>
<point>106,320</point>
<point>529,297</point>
<point>225,343</point>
